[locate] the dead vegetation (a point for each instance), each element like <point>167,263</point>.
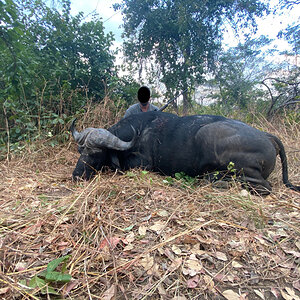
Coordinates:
<point>139,235</point>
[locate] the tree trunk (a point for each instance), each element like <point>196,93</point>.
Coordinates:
<point>185,105</point>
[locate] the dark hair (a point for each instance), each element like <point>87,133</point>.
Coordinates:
<point>144,94</point>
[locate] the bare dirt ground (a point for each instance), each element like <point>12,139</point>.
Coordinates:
<point>139,235</point>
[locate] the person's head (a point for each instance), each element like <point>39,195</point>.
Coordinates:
<point>144,95</point>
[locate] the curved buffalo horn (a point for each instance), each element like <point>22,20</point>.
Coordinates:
<point>95,138</point>
<point>102,138</point>
<point>73,130</point>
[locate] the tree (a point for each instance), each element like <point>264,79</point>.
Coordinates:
<point>239,71</point>
<point>284,92</point>
<point>292,32</point>
<point>283,85</point>
<point>70,49</point>
<point>182,36</point>
<point>50,62</point>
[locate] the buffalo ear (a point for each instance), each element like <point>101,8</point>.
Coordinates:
<point>115,161</point>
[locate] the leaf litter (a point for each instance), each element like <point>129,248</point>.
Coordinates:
<point>137,236</point>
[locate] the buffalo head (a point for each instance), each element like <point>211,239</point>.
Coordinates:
<point>96,147</point>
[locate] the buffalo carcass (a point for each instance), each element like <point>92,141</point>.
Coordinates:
<point>195,145</point>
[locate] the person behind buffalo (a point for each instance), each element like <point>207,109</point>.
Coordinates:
<point>144,104</point>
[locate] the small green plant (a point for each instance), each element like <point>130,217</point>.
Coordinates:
<point>44,280</point>
<point>168,180</point>
<point>144,172</point>
<point>232,170</point>
<point>186,180</point>
<point>146,175</point>
<point>216,175</point>
<point>130,174</point>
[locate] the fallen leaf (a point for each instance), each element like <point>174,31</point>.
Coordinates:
<point>109,294</point>
<point>221,256</point>
<point>142,230</point>
<point>34,229</point>
<point>158,227</point>
<point>231,295</point>
<point>244,193</point>
<point>163,213</point>
<point>193,282</point>
<point>296,285</point>
<point>155,271</point>
<point>4,290</point>
<point>147,218</point>
<point>159,195</point>
<point>162,291</point>
<point>220,277</point>
<point>286,296</point>
<point>192,266</point>
<point>168,253</point>
<point>147,262</point>
<point>292,293</point>
<point>109,242</point>
<point>142,192</point>
<point>294,253</point>
<point>176,249</point>
<point>20,266</point>
<point>70,286</point>
<point>209,282</point>
<point>244,296</point>
<point>62,245</point>
<point>259,294</point>
<point>236,265</point>
<point>29,186</point>
<point>130,237</point>
<point>275,292</point>
<point>176,263</point>
<point>179,298</point>
<point>188,239</point>
<point>129,228</point>
<point>128,247</point>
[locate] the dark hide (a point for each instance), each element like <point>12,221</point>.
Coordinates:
<point>195,145</point>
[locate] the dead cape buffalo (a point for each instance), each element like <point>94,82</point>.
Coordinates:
<point>195,145</point>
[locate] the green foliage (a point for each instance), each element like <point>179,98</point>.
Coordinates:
<point>292,33</point>
<point>231,170</point>
<point>44,281</point>
<point>239,71</point>
<point>181,37</point>
<point>50,64</point>
<point>186,180</point>
<point>283,91</point>
<point>124,89</point>
<point>168,180</point>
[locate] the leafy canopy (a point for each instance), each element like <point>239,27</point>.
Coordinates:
<point>182,37</point>
<point>50,63</point>
<point>240,70</point>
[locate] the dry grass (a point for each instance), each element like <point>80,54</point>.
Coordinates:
<point>134,236</point>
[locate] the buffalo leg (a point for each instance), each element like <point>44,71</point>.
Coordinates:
<point>257,184</point>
